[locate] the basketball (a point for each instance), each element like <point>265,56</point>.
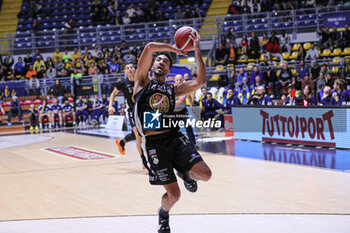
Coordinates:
<point>182,38</point>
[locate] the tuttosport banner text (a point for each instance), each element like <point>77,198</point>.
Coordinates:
<point>317,126</point>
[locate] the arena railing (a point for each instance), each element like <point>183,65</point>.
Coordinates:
<point>295,21</point>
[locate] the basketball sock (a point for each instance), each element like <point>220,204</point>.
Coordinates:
<point>163,213</point>
<point>130,137</point>
<point>122,143</point>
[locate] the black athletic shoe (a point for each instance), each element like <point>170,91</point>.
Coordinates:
<point>163,226</point>
<point>191,186</point>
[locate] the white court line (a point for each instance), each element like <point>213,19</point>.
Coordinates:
<point>246,223</point>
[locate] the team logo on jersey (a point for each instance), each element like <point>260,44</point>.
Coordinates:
<point>159,102</point>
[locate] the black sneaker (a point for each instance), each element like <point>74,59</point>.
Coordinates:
<point>191,185</point>
<point>163,226</point>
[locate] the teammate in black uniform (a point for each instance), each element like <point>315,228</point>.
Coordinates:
<point>165,149</point>
<point>127,87</point>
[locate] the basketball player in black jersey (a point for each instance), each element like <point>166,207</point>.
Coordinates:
<point>164,149</point>
<point>127,87</point>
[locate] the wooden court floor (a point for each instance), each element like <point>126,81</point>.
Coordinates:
<point>35,184</point>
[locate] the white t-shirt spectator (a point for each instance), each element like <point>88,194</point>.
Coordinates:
<point>130,12</point>
<point>126,19</point>
<point>312,53</point>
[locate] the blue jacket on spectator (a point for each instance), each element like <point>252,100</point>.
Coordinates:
<point>232,102</point>
<point>302,72</point>
<point>327,101</point>
<point>263,100</point>
<point>343,97</point>
<point>240,77</point>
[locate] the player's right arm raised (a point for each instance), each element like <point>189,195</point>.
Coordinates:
<point>146,59</point>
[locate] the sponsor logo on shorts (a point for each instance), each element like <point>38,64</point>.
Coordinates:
<point>78,153</point>
<point>153,154</point>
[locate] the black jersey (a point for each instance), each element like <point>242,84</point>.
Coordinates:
<point>127,87</point>
<point>152,98</point>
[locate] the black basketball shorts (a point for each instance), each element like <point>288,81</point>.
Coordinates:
<point>163,153</point>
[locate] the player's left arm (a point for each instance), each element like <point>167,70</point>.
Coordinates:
<point>192,85</point>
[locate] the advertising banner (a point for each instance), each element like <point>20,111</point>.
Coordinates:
<point>336,19</point>
<point>9,89</point>
<point>328,127</point>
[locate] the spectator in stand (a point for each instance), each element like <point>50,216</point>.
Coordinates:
<point>49,62</point>
<point>231,36</point>
<point>285,77</point>
<point>28,60</point>
<point>188,13</point>
<point>345,38</point>
<point>244,46</point>
<point>19,67</point>
<point>57,56</point>
<point>58,91</point>
<point>329,80</point>
<point>31,72</point>
<point>44,111</point>
<point>224,41</point>
<point>327,96</point>
<point>257,83</point>
<point>273,49</point>
<point>256,72</point>
<point>240,77</point>
<point>263,42</point>
<point>285,42</point>
<point>68,29</point>
<point>38,63</point>
<point>76,54</point>
<point>33,117</point>
<point>302,71</point>
<point>127,57</point>
<point>15,109</point>
<point>130,11</point>
<point>55,112</point>
<point>197,13</point>
<point>59,67</point>
<point>301,53</point>
<point>254,47</point>
<point>232,58</point>
<point>8,61</point>
<point>271,81</point>
<point>126,19</point>
<point>66,56</point>
<point>325,41</point>
<point>291,98</point>
<point>310,4</point>
<point>245,9</point>
<point>307,81</point>
<point>82,111</point>
<point>339,96</point>
<point>260,98</point>
<point>221,55</point>
<point>232,100</point>
<point>179,14</point>
<point>114,66</point>
<point>160,15</point>
<point>68,111</point>
<point>335,37</point>
<point>315,70</point>
<point>34,86</point>
<point>36,54</point>
<point>312,53</point>
<point>308,98</point>
<point>51,72</point>
<point>255,7</point>
<point>41,73</point>
<point>2,75</point>
<point>321,82</point>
